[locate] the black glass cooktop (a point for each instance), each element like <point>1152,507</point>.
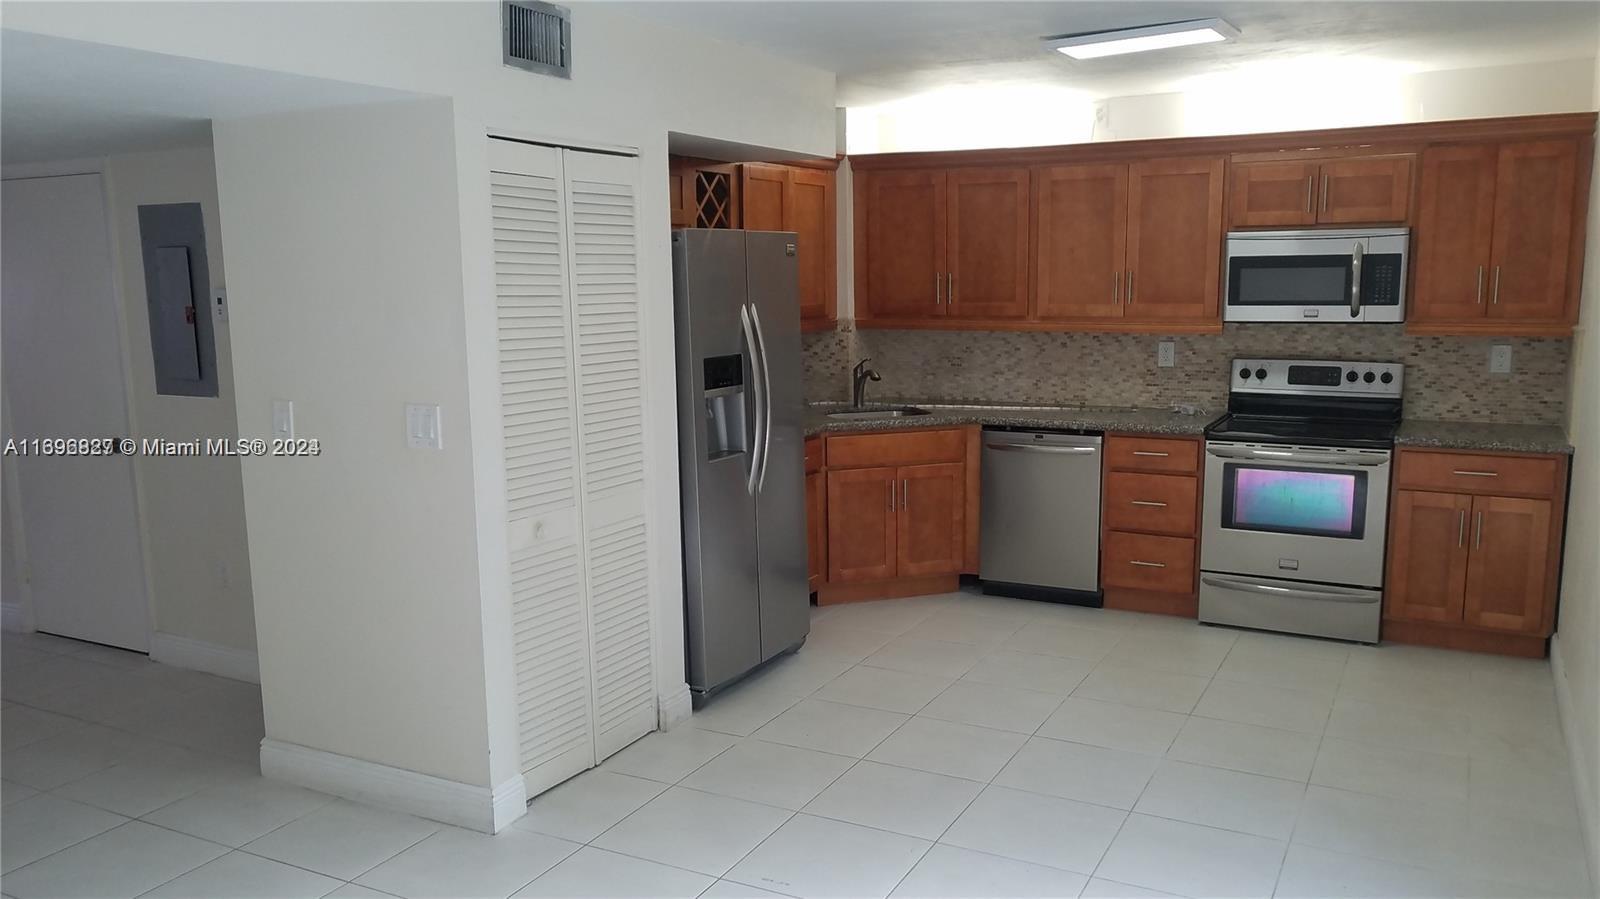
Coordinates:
<point>1359,433</point>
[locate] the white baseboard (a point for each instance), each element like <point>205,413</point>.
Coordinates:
<point>14,618</point>
<point>1581,765</point>
<point>464,805</point>
<point>212,658</point>
<point>675,707</point>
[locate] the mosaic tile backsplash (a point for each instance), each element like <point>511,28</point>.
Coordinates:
<point>1446,377</point>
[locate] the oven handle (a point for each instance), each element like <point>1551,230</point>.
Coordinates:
<point>1297,456</point>
<point>1326,594</point>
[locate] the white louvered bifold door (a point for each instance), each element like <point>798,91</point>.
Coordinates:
<point>602,192</point>
<point>550,620</point>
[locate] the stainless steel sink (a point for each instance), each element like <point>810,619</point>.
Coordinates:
<point>879,412</point>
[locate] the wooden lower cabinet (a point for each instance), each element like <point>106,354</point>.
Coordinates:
<point>1470,567</point>
<point>816,515</point>
<point>1150,520</point>
<point>862,524</point>
<point>895,512</point>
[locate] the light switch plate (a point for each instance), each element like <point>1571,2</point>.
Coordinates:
<point>1500,359</point>
<point>423,427</point>
<point>219,303</point>
<point>1166,354</point>
<point>283,419</point>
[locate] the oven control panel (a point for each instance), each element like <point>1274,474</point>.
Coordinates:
<point>1318,377</point>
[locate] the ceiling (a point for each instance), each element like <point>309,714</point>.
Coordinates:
<point>884,51</point>
<point>62,99</point>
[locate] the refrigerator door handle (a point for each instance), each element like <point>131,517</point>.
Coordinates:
<point>766,398</point>
<point>759,410</point>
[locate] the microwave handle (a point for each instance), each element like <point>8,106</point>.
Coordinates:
<point>1355,279</point>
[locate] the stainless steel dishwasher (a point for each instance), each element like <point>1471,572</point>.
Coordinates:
<point>1041,515</point>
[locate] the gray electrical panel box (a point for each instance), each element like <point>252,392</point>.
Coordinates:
<point>177,286</point>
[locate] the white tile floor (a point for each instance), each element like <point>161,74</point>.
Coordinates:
<point>952,746</point>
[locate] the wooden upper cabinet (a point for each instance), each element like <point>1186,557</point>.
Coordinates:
<point>987,243</point>
<point>766,195</point>
<point>902,263</point>
<point>1080,236</point>
<point>811,216</point>
<point>932,521</point>
<point>862,518</point>
<point>1367,190</point>
<point>1454,233</point>
<point>1265,194</point>
<point>1174,239</point>
<point>1507,578</point>
<point>1427,556</point>
<point>1535,187</point>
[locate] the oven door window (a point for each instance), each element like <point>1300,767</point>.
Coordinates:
<point>1289,280</point>
<point>1317,502</point>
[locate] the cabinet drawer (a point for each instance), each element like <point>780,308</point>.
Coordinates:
<point>903,448</point>
<point>1143,562</point>
<point>1160,503</point>
<point>1483,474</point>
<point>813,454</point>
<point>1153,454</point>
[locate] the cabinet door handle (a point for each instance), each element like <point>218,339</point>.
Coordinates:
<point>1150,453</point>
<point>938,289</point>
<point>1116,287</point>
<point>1476,474</point>
<point>1461,529</point>
<point>1479,300</point>
<point>950,286</point>
<point>891,494</point>
<point>1494,295</point>
<point>1477,531</point>
<point>1311,190</point>
<point>905,493</point>
<point>1143,564</point>
<point>1149,502</point>
<point>1324,192</point>
<point>1130,286</point>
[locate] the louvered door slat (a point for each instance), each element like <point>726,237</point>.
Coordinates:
<point>551,643</point>
<point>604,258</point>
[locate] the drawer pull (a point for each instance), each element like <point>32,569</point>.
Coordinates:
<point>1143,564</point>
<point>1149,502</point>
<point>1477,474</point>
<point>1150,453</point>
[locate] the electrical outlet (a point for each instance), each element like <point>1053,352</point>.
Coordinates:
<point>1500,359</point>
<point>1166,354</point>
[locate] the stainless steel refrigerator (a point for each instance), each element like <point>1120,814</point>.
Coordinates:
<point>740,450</point>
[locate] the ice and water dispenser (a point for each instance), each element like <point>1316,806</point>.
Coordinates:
<point>724,397</point>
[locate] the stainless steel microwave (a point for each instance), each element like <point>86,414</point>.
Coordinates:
<point>1344,276</point>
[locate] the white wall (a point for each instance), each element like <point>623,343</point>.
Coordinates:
<point>1282,96</point>
<point>368,570</point>
<point>1576,651</point>
<point>192,509</point>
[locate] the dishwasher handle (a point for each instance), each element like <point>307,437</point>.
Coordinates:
<point>1042,448</point>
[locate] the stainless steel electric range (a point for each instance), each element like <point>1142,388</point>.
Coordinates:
<point>1297,497</point>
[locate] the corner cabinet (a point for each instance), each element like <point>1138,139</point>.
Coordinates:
<point>894,514</point>
<point>1474,550</point>
<point>1498,246</point>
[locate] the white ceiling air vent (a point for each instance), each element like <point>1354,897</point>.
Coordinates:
<point>537,36</point>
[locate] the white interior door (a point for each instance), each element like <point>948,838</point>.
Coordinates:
<point>64,378</point>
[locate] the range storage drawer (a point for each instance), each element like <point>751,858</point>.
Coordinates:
<point>1146,562</point>
<point>1478,473</point>
<point>1153,503</point>
<point>897,448</point>
<point>1152,454</point>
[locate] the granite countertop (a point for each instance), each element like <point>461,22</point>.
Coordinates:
<point>1185,422</point>
<point>1483,436</point>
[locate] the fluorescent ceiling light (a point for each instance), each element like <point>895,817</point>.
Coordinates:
<point>1096,44</point>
